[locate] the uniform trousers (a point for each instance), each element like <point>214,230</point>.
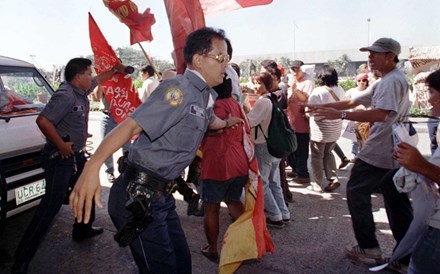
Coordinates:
<point>162,246</point>
<point>59,175</point>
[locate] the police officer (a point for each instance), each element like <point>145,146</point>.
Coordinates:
<point>171,124</point>
<point>64,123</point>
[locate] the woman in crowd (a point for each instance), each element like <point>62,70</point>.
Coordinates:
<point>224,169</point>
<point>259,119</point>
<point>324,132</point>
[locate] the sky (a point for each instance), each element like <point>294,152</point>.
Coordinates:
<point>50,32</point>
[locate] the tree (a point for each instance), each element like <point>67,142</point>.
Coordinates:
<point>343,65</point>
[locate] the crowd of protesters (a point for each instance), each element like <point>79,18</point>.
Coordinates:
<point>166,145</point>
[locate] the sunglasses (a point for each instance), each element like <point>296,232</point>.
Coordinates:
<point>219,57</point>
<point>363,80</point>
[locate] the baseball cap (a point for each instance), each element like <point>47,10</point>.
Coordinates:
<point>384,45</point>
<point>297,64</point>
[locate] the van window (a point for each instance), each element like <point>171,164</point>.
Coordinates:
<point>23,91</point>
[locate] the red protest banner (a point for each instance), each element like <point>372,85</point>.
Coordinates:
<point>118,90</point>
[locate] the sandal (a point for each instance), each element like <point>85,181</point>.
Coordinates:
<point>211,255</point>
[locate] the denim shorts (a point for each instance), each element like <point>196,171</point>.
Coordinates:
<point>216,191</point>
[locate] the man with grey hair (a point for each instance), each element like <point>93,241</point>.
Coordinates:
<point>374,169</point>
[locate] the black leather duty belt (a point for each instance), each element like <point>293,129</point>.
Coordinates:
<point>150,180</point>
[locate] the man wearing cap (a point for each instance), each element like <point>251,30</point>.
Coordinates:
<point>299,95</point>
<point>374,169</point>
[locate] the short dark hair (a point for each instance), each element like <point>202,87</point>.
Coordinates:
<point>229,46</point>
<point>224,90</point>
<point>76,66</point>
<point>200,42</point>
<point>272,67</point>
<point>265,78</point>
<point>433,80</point>
<point>236,68</point>
<point>268,63</point>
<point>327,76</point>
<point>148,69</point>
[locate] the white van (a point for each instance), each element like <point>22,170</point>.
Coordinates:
<point>23,94</point>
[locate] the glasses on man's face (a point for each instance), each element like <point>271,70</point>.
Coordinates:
<point>363,80</point>
<point>219,57</point>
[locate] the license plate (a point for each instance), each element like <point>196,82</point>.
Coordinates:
<point>30,191</point>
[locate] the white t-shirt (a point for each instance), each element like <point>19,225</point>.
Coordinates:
<point>260,114</point>
<point>326,130</point>
<point>147,88</point>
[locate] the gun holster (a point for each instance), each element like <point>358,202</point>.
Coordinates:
<point>143,189</point>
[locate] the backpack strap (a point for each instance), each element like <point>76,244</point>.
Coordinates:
<point>332,93</point>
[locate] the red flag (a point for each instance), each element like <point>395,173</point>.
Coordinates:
<point>187,16</point>
<point>118,90</point>
<point>184,17</point>
<point>216,6</point>
<point>139,24</point>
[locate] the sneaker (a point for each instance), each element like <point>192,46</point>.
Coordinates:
<point>276,224</point>
<point>111,178</point>
<point>314,187</point>
<point>345,161</point>
<point>396,266</point>
<point>286,221</point>
<point>357,252</point>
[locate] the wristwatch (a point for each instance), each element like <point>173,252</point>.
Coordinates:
<point>343,115</point>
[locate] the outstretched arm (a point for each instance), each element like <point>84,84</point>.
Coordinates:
<point>88,186</point>
<point>370,115</point>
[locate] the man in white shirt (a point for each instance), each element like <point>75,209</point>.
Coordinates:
<point>150,83</point>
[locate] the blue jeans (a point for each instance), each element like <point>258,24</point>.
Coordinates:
<point>364,180</point>
<point>426,255</point>
<point>432,131</point>
<point>298,159</point>
<point>58,174</point>
<point>107,125</point>
<point>162,246</point>
<point>274,203</point>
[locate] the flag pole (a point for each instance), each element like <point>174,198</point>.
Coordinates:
<point>145,53</point>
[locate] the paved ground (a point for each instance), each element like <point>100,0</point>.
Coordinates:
<point>312,243</point>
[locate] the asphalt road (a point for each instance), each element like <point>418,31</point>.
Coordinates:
<point>312,243</point>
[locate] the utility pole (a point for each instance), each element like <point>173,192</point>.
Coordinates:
<point>369,34</point>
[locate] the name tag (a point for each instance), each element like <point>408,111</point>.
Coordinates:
<point>197,111</point>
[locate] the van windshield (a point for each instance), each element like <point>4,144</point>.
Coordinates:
<point>23,91</point>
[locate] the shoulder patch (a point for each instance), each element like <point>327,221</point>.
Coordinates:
<point>174,96</point>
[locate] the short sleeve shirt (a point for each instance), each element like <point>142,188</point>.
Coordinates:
<point>391,93</point>
<point>174,120</point>
<point>260,114</point>
<point>68,111</point>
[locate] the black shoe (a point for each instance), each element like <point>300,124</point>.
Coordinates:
<point>18,268</point>
<point>78,236</point>
<point>277,224</point>
<point>345,161</point>
<point>193,206</point>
